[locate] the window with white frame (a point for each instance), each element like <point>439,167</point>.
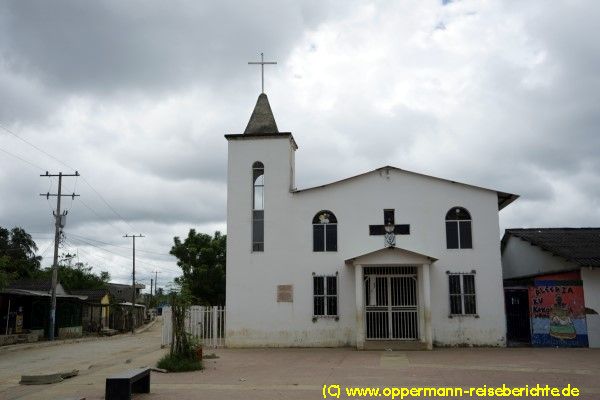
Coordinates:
<point>325,296</point>
<point>462,294</point>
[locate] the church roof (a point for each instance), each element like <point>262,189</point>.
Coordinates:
<point>504,198</point>
<point>262,119</point>
<point>578,245</point>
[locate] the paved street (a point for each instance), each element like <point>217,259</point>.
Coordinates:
<point>94,359</point>
<point>294,373</point>
<point>301,373</point>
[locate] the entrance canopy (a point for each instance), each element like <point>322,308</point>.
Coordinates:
<point>391,255</point>
<point>393,298</point>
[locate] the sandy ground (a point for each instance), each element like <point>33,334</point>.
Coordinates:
<point>94,359</point>
<point>295,373</point>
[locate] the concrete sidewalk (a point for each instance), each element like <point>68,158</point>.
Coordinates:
<point>301,373</point>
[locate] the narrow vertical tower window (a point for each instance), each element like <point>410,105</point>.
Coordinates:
<point>258,206</point>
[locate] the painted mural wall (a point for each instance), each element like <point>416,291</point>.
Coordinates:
<point>558,311</point>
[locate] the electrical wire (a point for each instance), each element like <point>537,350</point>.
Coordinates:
<point>64,164</point>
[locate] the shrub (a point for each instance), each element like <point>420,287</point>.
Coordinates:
<point>178,363</point>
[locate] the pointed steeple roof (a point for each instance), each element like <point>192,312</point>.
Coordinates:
<point>262,120</point>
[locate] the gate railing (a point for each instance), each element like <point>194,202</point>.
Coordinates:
<point>391,306</point>
<point>206,323</point>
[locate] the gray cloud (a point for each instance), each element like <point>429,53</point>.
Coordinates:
<point>138,95</point>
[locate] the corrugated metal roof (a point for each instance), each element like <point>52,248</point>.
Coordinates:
<point>24,292</point>
<point>92,294</point>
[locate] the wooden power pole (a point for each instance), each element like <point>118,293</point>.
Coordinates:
<point>133,283</point>
<point>58,225</point>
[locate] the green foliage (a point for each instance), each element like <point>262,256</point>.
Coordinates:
<point>201,257</point>
<point>178,363</point>
<point>19,261</point>
<point>78,277</point>
<point>17,255</point>
<point>181,343</point>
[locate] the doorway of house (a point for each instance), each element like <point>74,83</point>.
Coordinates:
<point>391,303</point>
<point>518,330</point>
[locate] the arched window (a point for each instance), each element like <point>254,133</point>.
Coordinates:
<point>258,206</point>
<point>458,229</point>
<point>324,231</point>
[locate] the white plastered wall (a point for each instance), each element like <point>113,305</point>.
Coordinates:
<point>591,296</point>
<point>254,318</point>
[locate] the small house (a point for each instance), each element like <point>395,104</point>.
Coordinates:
<point>25,307</point>
<point>552,286</point>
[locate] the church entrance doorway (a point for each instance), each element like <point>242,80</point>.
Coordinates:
<point>391,303</point>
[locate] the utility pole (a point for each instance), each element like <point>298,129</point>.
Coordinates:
<point>58,225</point>
<point>155,281</point>
<point>151,283</point>
<point>133,283</point>
<point>156,285</point>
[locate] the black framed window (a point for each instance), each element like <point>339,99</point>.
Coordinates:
<point>324,231</point>
<point>458,229</point>
<point>325,296</point>
<point>462,294</point>
<point>258,206</point>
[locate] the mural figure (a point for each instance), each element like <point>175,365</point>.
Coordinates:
<point>558,311</point>
<point>561,324</point>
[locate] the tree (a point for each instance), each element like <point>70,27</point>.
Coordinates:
<point>201,258</point>
<point>17,255</point>
<point>77,276</point>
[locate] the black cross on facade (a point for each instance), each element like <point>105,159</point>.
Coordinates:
<point>389,229</point>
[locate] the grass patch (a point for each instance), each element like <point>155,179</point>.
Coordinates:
<point>176,363</point>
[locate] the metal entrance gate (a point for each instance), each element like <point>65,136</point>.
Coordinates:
<point>391,303</point>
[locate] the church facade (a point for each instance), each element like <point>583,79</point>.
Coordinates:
<point>386,259</point>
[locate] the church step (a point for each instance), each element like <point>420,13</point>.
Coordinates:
<point>394,345</point>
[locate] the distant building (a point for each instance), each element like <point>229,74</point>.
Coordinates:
<point>96,309</point>
<point>122,293</point>
<point>552,286</point>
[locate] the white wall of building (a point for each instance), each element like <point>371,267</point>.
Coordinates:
<point>591,291</point>
<point>520,258</point>
<point>254,318</point>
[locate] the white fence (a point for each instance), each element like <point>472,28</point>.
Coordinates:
<point>203,322</point>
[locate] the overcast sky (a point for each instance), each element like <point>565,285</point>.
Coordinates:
<point>137,95</point>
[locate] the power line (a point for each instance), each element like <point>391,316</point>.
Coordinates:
<point>22,159</point>
<point>36,147</point>
<point>64,164</point>
<point>106,202</point>
<point>99,216</point>
<point>121,247</point>
<point>75,237</point>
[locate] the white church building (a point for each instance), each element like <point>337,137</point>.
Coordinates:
<point>385,259</point>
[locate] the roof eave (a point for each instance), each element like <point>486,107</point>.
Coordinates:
<point>504,198</point>
<point>264,135</point>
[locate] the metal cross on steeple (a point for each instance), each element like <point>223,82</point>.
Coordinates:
<point>262,63</point>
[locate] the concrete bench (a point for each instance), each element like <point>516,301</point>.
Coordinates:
<point>122,385</point>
